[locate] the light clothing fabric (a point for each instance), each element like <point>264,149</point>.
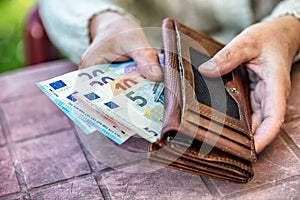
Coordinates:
<point>67,21</point>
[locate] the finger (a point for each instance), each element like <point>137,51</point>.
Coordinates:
<point>273,111</point>
<point>97,56</point>
<point>84,63</point>
<point>238,51</point>
<point>148,63</point>
<point>266,133</point>
<point>255,120</point>
<point>256,115</point>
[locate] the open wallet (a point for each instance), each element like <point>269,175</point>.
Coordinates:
<point>207,121</point>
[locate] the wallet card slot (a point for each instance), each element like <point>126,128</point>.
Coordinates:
<point>232,170</point>
<point>228,138</point>
<point>212,115</point>
<point>172,155</point>
<point>215,155</point>
<point>213,158</point>
<point>216,126</point>
<point>216,141</point>
<point>207,90</point>
<point>184,166</point>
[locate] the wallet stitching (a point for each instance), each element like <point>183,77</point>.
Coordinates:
<point>210,173</point>
<point>244,166</point>
<point>206,113</point>
<point>240,168</point>
<point>216,119</point>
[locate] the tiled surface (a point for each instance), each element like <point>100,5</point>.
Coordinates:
<point>292,129</point>
<point>134,149</point>
<point>51,158</point>
<point>293,111</point>
<point>33,116</point>
<point>276,163</point>
<point>21,83</point>
<point>2,139</point>
<point>14,197</point>
<point>44,156</point>
<point>161,184</point>
<point>78,189</point>
<point>9,183</point>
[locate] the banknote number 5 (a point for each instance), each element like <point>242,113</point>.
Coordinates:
<point>142,100</point>
<point>150,131</point>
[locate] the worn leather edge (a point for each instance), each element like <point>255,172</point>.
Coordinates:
<point>172,104</point>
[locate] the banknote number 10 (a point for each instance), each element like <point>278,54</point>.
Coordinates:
<point>125,84</point>
<point>142,100</point>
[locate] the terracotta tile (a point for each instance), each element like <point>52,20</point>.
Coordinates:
<point>51,158</point>
<point>276,163</point>
<point>2,138</point>
<point>78,189</point>
<point>8,183</point>
<point>110,154</point>
<point>33,116</point>
<point>160,184</point>
<point>288,190</point>
<point>22,83</point>
<point>13,197</point>
<point>293,103</point>
<point>292,129</point>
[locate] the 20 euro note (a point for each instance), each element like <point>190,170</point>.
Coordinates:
<point>61,89</point>
<point>127,100</point>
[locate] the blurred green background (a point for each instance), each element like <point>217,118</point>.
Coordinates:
<point>12,15</point>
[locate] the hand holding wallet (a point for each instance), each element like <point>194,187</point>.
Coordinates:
<point>207,121</point>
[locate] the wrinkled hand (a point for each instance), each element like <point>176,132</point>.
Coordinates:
<point>267,50</point>
<point>116,38</point>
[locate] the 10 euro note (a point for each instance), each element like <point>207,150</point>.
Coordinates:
<point>127,100</point>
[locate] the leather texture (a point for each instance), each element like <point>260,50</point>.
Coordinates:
<point>207,121</point>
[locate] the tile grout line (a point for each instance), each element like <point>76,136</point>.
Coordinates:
<point>211,187</point>
<point>292,119</point>
<point>42,135</point>
<point>89,158</point>
<point>262,187</point>
<point>61,182</point>
<point>103,189</point>
<point>13,155</point>
<point>290,142</point>
<point>292,145</point>
<point>17,98</point>
<point>12,196</point>
<point>93,175</point>
<point>94,167</point>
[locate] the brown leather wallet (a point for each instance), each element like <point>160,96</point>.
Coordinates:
<point>207,121</point>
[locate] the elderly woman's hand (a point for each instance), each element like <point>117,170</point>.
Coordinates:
<point>116,38</point>
<point>267,50</point>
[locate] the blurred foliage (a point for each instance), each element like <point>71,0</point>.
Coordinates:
<point>12,15</point>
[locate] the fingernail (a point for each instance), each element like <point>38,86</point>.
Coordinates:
<point>209,66</point>
<point>156,69</point>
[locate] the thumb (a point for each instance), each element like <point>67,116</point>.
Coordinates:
<point>228,58</point>
<point>148,63</point>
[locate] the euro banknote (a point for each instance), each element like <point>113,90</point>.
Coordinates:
<point>111,98</point>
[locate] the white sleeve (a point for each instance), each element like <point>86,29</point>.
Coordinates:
<point>291,7</point>
<point>67,23</point>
